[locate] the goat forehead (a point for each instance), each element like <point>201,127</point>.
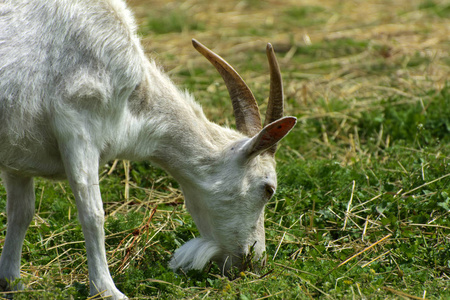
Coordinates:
<point>254,172</point>
<point>262,166</point>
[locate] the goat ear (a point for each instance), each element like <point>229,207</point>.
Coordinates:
<point>268,137</point>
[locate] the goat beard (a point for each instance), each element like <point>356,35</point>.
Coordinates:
<point>195,254</point>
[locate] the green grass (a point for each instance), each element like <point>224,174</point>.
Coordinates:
<point>363,205</point>
<point>172,20</point>
<point>304,15</point>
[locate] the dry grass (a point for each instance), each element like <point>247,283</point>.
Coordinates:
<point>412,33</point>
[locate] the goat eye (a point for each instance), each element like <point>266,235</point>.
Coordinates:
<point>269,191</point>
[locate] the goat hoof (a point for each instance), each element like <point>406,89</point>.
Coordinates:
<point>4,285</point>
<point>110,296</point>
<point>7,285</point>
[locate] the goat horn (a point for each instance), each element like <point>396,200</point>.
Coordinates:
<point>276,98</point>
<point>245,107</point>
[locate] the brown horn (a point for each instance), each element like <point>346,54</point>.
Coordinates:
<point>245,107</point>
<point>276,98</point>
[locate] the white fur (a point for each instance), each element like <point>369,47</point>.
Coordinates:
<point>195,254</point>
<point>76,90</point>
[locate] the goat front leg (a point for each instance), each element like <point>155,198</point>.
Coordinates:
<point>20,211</point>
<point>81,165</point>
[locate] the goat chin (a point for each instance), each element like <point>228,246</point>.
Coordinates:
<point>195,254</point>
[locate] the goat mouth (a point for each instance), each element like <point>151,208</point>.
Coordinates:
<point>232,265</point>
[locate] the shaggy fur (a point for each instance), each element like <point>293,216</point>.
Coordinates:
<point>76,90</point>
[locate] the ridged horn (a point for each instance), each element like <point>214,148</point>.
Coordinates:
<point>276,98</point>
<point>245,107</point>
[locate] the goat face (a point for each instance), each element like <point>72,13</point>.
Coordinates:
<point>228,206</point>
<point>229,213</point>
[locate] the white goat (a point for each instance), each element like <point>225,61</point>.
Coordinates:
<point>76,91</point>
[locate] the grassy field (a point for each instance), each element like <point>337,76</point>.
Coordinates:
<point>363,205</point>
